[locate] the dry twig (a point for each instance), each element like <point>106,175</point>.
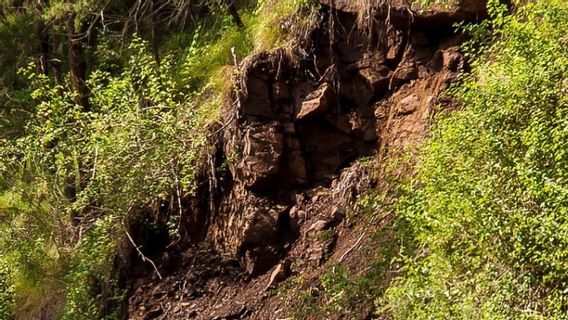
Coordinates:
<point>144,258</point>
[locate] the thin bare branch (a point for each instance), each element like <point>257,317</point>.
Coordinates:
<point>142,256</point>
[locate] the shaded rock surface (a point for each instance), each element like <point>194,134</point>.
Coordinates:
<point>292,139</point>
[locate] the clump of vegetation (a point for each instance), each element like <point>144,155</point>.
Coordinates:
<point>107,120</point>
<point>489,203</point>
<point>348,290</point>
<point>6,292</point>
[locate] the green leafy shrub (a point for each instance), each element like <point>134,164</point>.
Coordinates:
<point>71,179</point>
<point>218,43</point>
<point>6,293</point>
<point>273,20</point>
<point>90,283</point>
<point>489,206</point>
<point>73,171</point>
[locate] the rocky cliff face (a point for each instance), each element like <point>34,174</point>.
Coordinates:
<point>361,82</point>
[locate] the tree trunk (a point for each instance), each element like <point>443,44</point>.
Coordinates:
<point>56,63</point>
<point>234,13</point>
<point>43,59</point>
<point>153,34</point>
<point>77,64</point>
<point>78,76</point>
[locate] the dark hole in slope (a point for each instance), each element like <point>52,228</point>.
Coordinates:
<point>152,239</point>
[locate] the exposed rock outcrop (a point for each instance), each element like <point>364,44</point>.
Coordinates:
<point>298,124</point>
<point>291,138</point>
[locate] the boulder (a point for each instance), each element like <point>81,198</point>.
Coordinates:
<point>377,77</point>
<point>408,104</point>
<point>262,151</point>
<point>258,102</point>
<point>317,102</point>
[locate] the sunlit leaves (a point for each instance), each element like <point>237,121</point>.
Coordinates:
<point>491,205</point>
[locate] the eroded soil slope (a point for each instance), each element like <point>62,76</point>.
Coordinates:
<point>297,148</point>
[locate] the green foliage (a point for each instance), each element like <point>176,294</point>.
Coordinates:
<point>30,262</point>
<point>6,293</point>
<point>17,45</point>
<point>488,209</point>
<point>347,290</point>
<point>146,136</point>
<point>70,178</point>
<point>325,235</point>
<point>421,4</point>
<point>217,43</point>
<point>273,20</point>
<point>339,292</point>
<point>139,144</point>
<point>336,286</point>
<point>15,37</point>
<point>210,52</point>
<point>90,283</point>
<point>121,147</point>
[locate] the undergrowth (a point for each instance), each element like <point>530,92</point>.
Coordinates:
<point>479,228</point>
<point>72,179</point>
<point>489,203</point>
